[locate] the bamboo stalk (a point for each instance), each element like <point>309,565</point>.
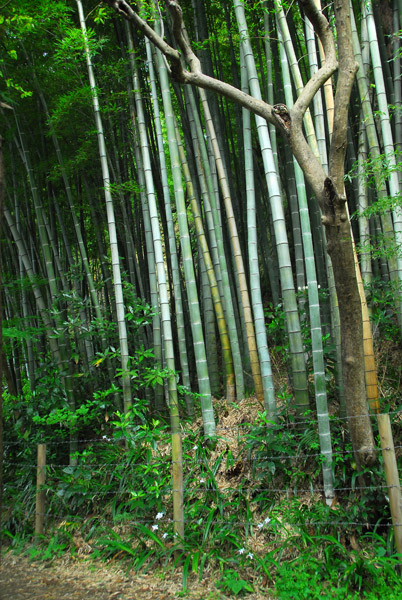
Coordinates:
<point>391,476</point>
<point>178,492</point>
<point>40,492</point>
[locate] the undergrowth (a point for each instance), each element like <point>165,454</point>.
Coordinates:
<point>255,513</point>
<point>255,518</point>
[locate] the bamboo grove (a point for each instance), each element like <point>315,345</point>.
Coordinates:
<point>169,197</point>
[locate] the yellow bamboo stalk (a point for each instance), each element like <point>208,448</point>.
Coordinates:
<point>248,315</point>
<point>40,492</point>
<point>392,477</point>
<point>368,347</point>
<point>216,299</point>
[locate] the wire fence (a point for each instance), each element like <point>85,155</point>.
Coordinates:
<point>242,491</point>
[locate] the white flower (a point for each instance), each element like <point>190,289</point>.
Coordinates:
<point>165,536</point>
<point>155,527</point>
<point>267,520</point>
<point>159,516</point>
<point>319,287</point>
<point>104,437</point>
<point>260,525</point>
<point>195,447</point>
<point>202,480</point>
<point>241,551</point>
<point>250,555</point>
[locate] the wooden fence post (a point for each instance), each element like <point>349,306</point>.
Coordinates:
<point>40,492</point>
<point>391,476</point>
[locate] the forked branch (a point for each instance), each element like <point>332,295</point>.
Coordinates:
<point>195,75</point>
<point>292,127</point>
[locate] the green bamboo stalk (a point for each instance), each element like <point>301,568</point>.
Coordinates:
<point>364,229</point>
<point>39,299</point>
<point>210,203</point>
<point>181,330</point>
<point>268,26</point>
<point>30,360</point>
<point>64,364</point>
<point>397,80</point>
<point>319,120</point>
<point>296,74</point>
<point>395,189</point>
<point>188,265</point>
<point>211,342</point>
<point>168,347</point>
<point>118,288</point>
<point>210,273</point>
<point>238,258</point>
<point>151,266</point>
<point>77,227</point>
<point>301,401</point>
<point>362,57</point>
<point>255,286</point>
<point>324,431</point>
<point>117,177</point>
<point>206,188</point>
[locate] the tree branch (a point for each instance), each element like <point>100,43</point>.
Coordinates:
<point>323,31</point>
<point>195,76</point>
<point>347,71</point>
<point>292,126</point>
<point>124,9</point>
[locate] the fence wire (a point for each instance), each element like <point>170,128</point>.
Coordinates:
<point>201,459</point>
<point>269,427</point>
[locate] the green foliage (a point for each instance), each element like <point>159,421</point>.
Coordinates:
<point>69,103</point>
<point>101,14</point>
<point>43,410</point>
<point>377,170</point>
<point>124,482</point>
<point>232,583</point>
<point>275,316</point>
<point>381,299</point>
<point>70,49</point>
<point>92,412</point>
<point>54,547</point>
<point>328,569</point>
<point>380,246</point>
<point>119,494</point>
<point>21,413</point>
<point>13,85</point>
<point>263,442</point>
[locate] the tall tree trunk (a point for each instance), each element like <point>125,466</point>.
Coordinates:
<point>331,195</point>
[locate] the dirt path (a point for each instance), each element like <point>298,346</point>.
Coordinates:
<point>21,579</point>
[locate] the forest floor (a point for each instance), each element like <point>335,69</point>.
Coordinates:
<point>67,579</point>
<point>82,578</point>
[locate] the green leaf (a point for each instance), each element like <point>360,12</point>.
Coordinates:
<point>196,560</point>
<point>185,571</point>
<point>150,534</point>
